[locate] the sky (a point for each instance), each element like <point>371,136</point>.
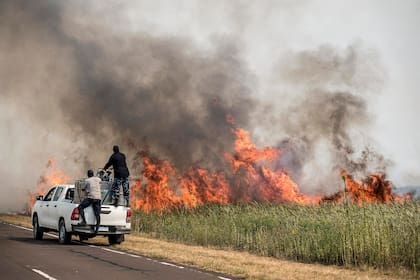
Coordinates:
<point>278,63</point>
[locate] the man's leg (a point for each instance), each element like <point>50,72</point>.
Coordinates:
<point>85,203</point>
<point>126,190</point>
<point>97,209</point>
<point>116,191</point>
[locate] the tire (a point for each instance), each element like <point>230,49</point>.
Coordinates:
<point>115,239</point>
<point>83,238</point>
<point>37,230</point>
<point>64,237</point>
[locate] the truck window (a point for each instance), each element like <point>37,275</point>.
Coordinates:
<point>49,195</point>
<point>70,194</point>
<point>57,193</point>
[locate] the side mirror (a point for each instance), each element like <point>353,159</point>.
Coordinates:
<point>39,197</point>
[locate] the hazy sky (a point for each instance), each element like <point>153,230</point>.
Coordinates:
<point>377,41</point>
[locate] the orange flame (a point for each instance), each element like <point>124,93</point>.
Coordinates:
<point>375,188</point>
<point>52,176</point>
<point>249,180</point>
<point>158,193</point>
<point>256,182</point>
<point>197,186</point>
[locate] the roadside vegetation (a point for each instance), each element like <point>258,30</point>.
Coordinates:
<point>385,236</point>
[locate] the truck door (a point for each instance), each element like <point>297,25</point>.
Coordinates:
<point>44,206</point>
<point>53,212</point>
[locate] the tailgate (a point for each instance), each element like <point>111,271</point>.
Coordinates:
<point>113,216</point>
<point>110,216</point>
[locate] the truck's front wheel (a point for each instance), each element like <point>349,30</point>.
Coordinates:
<point>37,230</point>
<point>64,237</point>
<point>115,239</point>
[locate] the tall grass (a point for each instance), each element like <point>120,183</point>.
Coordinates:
<point>378,235</point>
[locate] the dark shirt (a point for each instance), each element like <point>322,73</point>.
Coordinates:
<point>117,160</point>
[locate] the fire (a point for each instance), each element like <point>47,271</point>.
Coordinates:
<point>158,193</point>
<point>250,179</point>
<point>52,176</point>
<point>200,186</point>
<point>373,189</point>
<point>197,186</point>
<point>257,182</point>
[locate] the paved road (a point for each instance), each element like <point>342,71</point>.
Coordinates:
<point>21,257</point>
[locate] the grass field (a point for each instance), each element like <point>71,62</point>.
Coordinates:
<point>373,235</point>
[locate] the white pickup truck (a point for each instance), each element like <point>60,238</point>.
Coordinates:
<point>57,211</point>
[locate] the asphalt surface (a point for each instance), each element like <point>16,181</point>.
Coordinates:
<point>22,257</point>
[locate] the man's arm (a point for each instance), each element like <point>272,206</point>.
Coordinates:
<point>109,163</point>
<point>86,187</point>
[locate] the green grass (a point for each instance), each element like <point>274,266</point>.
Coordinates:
<point>376,235</point>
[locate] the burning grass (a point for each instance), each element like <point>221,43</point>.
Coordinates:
<point>375,235</point>
<point>249,176</point>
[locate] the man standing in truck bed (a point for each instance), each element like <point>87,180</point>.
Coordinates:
<point>121,173</point>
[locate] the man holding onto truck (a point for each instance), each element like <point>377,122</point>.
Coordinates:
<point>92,188</point>
<point>121,173</point>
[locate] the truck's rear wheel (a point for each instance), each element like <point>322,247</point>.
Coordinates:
<point>37,230</point>
<point>64,237</point>
<point>115,239</point>
<point>83,238</point>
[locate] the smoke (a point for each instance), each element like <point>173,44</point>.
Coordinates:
<point>90,87</point>
<point>329,123</point>
<point>73,84</point>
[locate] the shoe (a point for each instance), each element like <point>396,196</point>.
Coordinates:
<point>82,223</point>
<point>127,203</point>
<point>96,229</point>
<point>115,202</point>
